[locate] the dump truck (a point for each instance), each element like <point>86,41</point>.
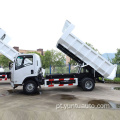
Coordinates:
<point>26,69</point>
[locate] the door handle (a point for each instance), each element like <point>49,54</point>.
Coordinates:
<point>32,71</point>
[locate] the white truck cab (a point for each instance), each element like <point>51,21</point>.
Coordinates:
<point>24,67</point>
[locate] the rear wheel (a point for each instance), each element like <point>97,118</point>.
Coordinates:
<point>30,87</point>
<point>87,84</point>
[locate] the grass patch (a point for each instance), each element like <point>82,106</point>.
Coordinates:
<point>116,80</point>
<point>117,88</point>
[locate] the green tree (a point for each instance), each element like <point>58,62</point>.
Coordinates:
<point>52,57</point>
<point>117,57</point>
<point>4,61</point>
<point>47,59</point>
<point>72,62</point>
<point>117,60</point>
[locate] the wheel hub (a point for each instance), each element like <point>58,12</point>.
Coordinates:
<point>88,84</point>
<point>30,87</point>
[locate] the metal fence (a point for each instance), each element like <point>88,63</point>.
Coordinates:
<point>61,69</point>
<point>70,69</point>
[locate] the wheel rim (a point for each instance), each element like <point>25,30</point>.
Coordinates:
<point>30,87</point>
<point>88,84</point>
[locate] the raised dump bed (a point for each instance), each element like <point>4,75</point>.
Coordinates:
<point>5,49</point>
<point>81,52</point>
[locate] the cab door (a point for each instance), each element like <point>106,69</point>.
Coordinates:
<point>24,67</point>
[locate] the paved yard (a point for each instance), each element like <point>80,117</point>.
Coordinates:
<point>60,103</point>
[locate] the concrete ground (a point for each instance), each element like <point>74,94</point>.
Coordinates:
<point>60,103</point>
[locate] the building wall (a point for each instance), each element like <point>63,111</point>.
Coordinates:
<point>27,51</point>
<point>67,59</point>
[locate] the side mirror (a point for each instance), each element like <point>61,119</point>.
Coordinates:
<point>10,65</point>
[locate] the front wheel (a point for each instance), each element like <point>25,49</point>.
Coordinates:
<point>87,84</point>
<point>30,87</point>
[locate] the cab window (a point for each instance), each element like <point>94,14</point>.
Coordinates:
<point>23,61</point>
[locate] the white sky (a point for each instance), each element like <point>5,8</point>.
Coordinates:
<point>34,24</point>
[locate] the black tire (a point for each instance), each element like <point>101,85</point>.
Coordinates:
<point>30,87</point>
<point>87,84</point>
<point>79,84</point>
